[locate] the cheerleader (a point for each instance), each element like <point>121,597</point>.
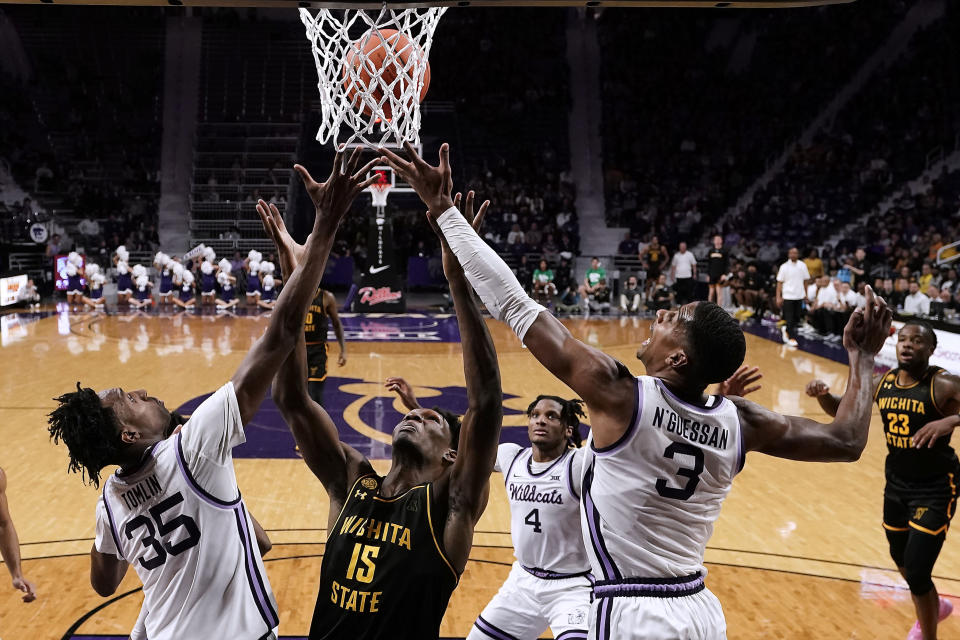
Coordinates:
<point>95,282</point>
<point>228,294</point>
<point>142,287</point>
<point>252,268</point>
<point>185,296</point>
<point>124,280</point>
<point>74,274</point>
<point>268,293</point>
<point>208,279</point>
<point>164,266</point>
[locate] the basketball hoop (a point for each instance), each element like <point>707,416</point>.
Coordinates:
<point>379,193</point>
<point>377,104</point>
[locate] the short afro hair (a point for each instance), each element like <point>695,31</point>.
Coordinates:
<point>453,421</point>
<point>716,341</point>
<point>90,431</point>
<point>926,326</point>
<point>570,413</point>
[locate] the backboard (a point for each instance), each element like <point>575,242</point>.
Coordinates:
<point>376,4</point>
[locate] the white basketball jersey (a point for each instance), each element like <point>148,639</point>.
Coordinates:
<point>544,511</point>
<point>650,499</point>
<point>180,522</point>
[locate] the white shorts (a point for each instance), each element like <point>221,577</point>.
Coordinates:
<point>526,605</point>
<point>694,617</point>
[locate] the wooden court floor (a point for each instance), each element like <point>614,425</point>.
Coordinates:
<point>797,553</point>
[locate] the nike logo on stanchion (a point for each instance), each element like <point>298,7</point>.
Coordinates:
<point>379,269</point>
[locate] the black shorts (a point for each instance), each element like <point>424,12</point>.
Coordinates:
<point>317,362</point>
<point>714,278</point>
<point>921,505</point>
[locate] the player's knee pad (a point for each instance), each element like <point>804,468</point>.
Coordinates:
<point>898,545</point>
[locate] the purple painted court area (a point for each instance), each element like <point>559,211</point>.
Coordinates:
<point>269,437</point>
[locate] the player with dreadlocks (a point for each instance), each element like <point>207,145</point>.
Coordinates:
<point>548,585</point>
<point>173,510</point>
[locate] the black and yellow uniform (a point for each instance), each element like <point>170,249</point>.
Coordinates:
<point>384,571</point>
<point>919,499</point>
<point>315,327</point>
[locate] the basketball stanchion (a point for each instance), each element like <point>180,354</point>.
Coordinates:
<point>373,70</point>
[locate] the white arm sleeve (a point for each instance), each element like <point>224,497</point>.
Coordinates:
<point>489,275</point>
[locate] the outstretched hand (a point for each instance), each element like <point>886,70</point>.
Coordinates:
<point>403,389</point>
<point>742,382</point>
<point>333,198</point>
<point>289,250</point>
<point>869,327</point>
<point>434,185</point>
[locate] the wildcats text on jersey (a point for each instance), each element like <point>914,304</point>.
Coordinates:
<point>699,432</point>
<point>529,493</point>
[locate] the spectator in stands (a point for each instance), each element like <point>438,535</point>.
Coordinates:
<point>544,288</point>
<point>769,252</point>
<point>655,256</point>
<point>591,282</point>
<point>516,239</point>
<point>683,271</point>
<point>935,245</point>
<point>814,264</point>
<point>944,306</point>
<point>533,236</point>
<point>858,266</point>
<point>916,303</point>
<point>824,308</point>
<point>888,293</point>
<point>631,296</point>
<point>753,294</point>
<point>568,302</point>
<point>600,300</point>
<point>89,231</point>
<point>718,269</point>
<point>926,277</point>
<point>791,280</point>
<point>661,297</point>
<point>550,249</point>
<point>54,247</point>
<point>42,177</point>
<point>628,246</point>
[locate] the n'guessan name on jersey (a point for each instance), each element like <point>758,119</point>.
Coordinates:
<point>699,432</point>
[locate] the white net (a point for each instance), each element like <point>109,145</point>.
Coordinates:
<point>373,69</point>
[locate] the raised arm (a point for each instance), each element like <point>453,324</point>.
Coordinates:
<point>842,440</point>
<point>332,200</point>
<point>10,546</point>
<point>313,430</point>
<point>606,385</point>
<point>946,392</point>
<point>466,487</point>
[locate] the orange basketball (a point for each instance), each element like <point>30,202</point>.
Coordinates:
<point>374,56</point>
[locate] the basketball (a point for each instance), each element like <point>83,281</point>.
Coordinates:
<point>361,66</point>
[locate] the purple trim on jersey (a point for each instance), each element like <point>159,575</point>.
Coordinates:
<point>96,294</point>
<point>253,571</point>
<point>193,484</point>
<point>491,630</point>
<point>113,528</point>
<point>650,587</point>
<point>622,440</point>
<point>227,295</point>
<point>610,570</point>
<point>166,284</point>
<point>692,406</point>
<point>570,476</point>
<point>186,294</point>
<point>603,619</point>
<point>253,285</point>
<point>572,634</point>
<point>741,449</point>
<point>552,464</point>
<point>545,574</point>
<point>506,476</point>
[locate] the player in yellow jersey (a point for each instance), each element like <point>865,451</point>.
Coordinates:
<point>918,405</point>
